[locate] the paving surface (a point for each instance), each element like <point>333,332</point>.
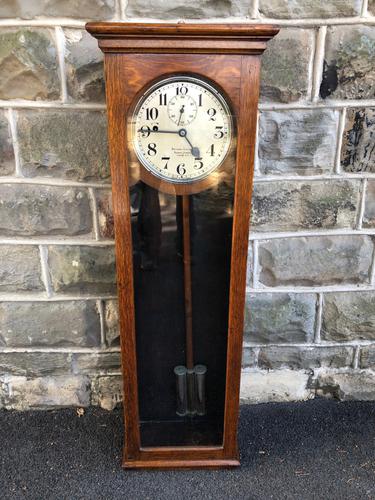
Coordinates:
<point>319,449</point>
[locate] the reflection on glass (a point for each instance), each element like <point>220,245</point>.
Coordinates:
<point>182,250</point>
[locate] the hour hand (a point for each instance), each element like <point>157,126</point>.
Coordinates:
<point>195,152</point>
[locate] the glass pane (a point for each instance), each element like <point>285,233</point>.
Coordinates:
<point>182,177</point>
<point>182,248</point>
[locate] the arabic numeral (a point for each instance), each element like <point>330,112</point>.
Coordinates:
<point>152,113</point>
<point>198,163</point>
<point>181,170</point>
<point>211,150</point>
<point>145,131</point>
<point>219,134</point>
<point>151,151</point>
<point>166,159</point>
<point>211,113</point>
<point>163,99</point>
<point>183,90</point>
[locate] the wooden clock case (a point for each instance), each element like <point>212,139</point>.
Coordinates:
<point>229,56</point>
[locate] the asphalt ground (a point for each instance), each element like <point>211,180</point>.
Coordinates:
<point>318,449</point>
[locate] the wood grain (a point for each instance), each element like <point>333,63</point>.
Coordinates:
<point>189,30</point>
<point>247,123</point>
<point>182,38</point>
<point>136,55</point>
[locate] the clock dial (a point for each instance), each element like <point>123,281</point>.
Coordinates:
<point>182,129</point>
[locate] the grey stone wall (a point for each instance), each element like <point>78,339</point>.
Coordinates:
<point>310,310</point>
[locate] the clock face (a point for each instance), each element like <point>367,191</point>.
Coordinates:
<point>182,129</point>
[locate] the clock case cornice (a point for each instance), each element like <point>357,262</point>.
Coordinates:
<point>182,37</point>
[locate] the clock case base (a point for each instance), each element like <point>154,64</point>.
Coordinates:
<point>182,464</point>
<point>229,56</point>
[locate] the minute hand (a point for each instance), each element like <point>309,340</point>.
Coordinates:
<point>161,131</point>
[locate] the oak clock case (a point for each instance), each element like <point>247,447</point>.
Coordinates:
<point>182,113</point>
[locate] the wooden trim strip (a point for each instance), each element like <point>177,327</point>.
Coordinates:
<point>181,464</point>
<point>180,30</point>
<point>174,45</point>
<point>246,124</point>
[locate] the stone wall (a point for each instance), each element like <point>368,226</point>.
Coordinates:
<point>310,314</point>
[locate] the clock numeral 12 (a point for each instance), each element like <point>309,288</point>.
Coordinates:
<point>181,90</point>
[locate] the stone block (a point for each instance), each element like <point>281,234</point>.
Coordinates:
<point>23,393</point>
<point>112,327</point>
<point>105,213</point>
<point>249,357</point>
<point>20,269</point>
<point>70,144</point>
<point>358,385</point>
<point>349,63</point>
<point>84,9</point>
<point>28,64</point>
<point>285,66</point>
<point>369,213</point>
<point>315,261</point>
<point>304,357</point>
<point>86,363</point>
<point>178,9</point>
<point>6,147</point>
<point>295,205</point>
<point>52,324</point>
<point>371,7</point>
<point>250,265</point>
<point>2,394</point>
<point>279,317</point>
<point>30,210</point>
<point>348,316</point>
<point>367,357</point>
<point>301,142</point>
<point>84,269</point>
<point>357,152</point>
<point>275,386</point>
<point>107,392</point>
<point>84,66</point>
<point>300,9</point>
<point>34,364</point>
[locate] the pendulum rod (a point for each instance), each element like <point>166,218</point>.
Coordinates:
<point>190,379</point>
<point>187,282</point>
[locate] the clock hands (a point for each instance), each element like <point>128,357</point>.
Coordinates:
<point>157,131</point>
<point>182,133</point>
<point>181,112</point>
<point>194,150</point>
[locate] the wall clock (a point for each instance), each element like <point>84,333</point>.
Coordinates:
<point>182,110</point>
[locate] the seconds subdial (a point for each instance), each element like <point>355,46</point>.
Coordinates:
<point>182,109</point>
